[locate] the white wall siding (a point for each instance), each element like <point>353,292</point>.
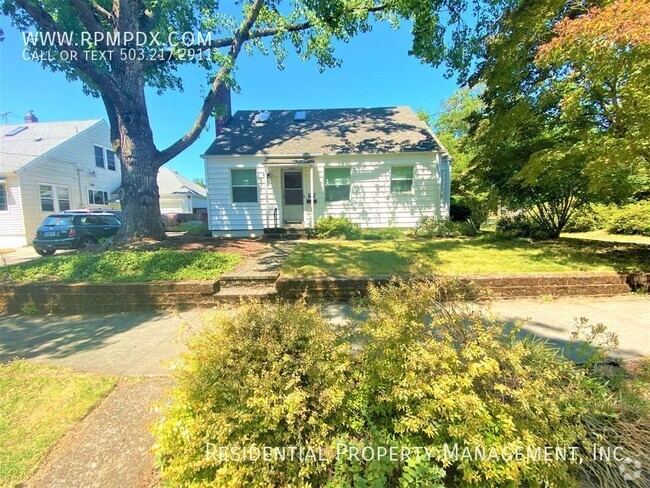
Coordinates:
<point>12,228</point>
<point>224,216</point>
<point>72,165</point>
<point>371,204</point>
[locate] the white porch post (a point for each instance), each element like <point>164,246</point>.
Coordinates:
<point>266,196</point>
<point>311,192</point>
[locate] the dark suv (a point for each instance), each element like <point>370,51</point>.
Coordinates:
<point>73,231</point>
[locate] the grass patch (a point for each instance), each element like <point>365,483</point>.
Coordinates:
<point>38,404</point>
<point>124,266</point>
<point>483,255</point>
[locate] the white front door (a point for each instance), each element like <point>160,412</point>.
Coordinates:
<point>293,197</point>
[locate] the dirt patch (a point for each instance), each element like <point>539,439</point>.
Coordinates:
<point>243,247</point>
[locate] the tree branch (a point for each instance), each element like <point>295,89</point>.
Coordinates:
<point>45,21</point>
<point>87,17</point>
<point>169,55</point>
<point>211,99</point>
<point>102,12</point>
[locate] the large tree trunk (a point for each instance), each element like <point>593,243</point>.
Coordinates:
<point>132,137</point>
<point>140,198</point>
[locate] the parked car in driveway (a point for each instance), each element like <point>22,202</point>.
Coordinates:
<point>69,230</point>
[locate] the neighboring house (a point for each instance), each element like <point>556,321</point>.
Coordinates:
<point>178,194</point>
<point>48,167</point>
<point>379,167</point>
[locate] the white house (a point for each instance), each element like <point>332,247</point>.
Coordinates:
<point>179,194</point>
<point>48,167</point>
<point>379,167</point>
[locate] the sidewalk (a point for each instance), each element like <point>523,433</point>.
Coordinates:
<point>111,447</point>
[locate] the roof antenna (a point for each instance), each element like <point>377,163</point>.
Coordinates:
<point>4,116</point>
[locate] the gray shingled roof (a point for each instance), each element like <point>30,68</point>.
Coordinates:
<point>326,131</point>
<point>40,137</point>
<point>170,182</point>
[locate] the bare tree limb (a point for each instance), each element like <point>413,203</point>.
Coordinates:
<point>211,99</point>
<point>102,12</point>
<point>45,21</point>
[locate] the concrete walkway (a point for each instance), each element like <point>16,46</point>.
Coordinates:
<point>122,344</point>
<point>264,264</point>
<point>628,316</point>
<point>111,447</point>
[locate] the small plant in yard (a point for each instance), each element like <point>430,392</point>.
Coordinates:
<point>336,228</point>
<point>418,370</point>
<point>434,227</point>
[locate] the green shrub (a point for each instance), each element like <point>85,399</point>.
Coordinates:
<point>520,225</point>
<point>588,218</point>
<point>433,227</point>
<point>272,375</point>
<point>336,228</point>
<point>426,373</point>
<point>193,227</point>
<point>631,219</point>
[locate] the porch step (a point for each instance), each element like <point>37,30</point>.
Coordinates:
<point>237,293</point>
<point>285,233</point>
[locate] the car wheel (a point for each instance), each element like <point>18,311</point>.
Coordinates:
<point>45,252</point>
<point>87,242</point>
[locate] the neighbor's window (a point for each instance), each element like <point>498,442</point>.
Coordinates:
<point>401,179</point>
<point>244,185</point>
<point>337,184</point>
<point>97,197</point>
<point>99,157</point>
<point>47,197</point>
<point>63,197</point>
<point>3,196</point>
<point>54,198</point>
<point>110,159</point>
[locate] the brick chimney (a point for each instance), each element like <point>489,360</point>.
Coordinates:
<point>30,117</point>
<point>223,110</point>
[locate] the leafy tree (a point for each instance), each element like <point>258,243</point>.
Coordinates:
<point>565,118</point>
<point>452,125</point>
<point>199,181</point>
<point>267,26</point>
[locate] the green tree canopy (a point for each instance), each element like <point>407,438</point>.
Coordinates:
<point>270,27</point>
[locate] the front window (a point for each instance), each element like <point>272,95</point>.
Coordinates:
<point>110,159</point>
<point>97,197</point>
<point>401,179</point>
<point>3,196</point>
<point>244,185</point>
<point>337,184</point>
<point>99,157</point>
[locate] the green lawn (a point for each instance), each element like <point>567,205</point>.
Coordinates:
<point>483,255</point>
<point>38,404</point>
<point>112,266</point>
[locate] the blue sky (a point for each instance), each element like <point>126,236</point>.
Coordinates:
<point>376,71</point>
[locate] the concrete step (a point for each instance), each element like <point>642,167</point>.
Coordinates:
<point>597,289</point>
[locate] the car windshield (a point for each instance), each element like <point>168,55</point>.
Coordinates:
<point>59,221</point>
